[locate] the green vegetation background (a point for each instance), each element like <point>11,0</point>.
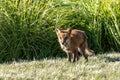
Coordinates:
<point>27,26</point>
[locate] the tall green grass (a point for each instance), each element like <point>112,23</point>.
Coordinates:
<point>27,26</point>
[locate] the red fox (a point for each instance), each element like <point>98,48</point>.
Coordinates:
<point>73,41</point>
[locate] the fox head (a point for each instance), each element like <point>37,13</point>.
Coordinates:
<point>64,36</point>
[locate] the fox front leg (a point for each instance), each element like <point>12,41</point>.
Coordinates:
<point>75,56</point>
<point>69,56</point>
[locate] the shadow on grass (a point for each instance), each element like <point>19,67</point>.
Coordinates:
<point>112,59</point>
<point>19,60</point>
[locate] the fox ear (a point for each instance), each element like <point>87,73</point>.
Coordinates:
<point>57,30</point>
<point>69,30</point>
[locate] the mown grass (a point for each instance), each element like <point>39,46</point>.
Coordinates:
<point>99,67</point>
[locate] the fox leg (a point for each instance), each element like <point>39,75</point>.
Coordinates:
<point>78,57</point>
<point>69,56</point>
<point>75,56</point>
<point>86,57</point>
<point>83,51</point>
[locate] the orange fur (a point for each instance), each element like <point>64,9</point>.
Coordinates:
<point>72,42</point>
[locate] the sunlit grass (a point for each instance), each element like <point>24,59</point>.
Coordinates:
<point>99,67</point>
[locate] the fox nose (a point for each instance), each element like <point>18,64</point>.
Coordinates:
<point>62,43</point>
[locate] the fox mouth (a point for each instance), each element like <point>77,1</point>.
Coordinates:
<point>67,43</point>
<point>67,46</point>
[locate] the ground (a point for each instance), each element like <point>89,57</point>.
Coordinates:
<point>99,67</point>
